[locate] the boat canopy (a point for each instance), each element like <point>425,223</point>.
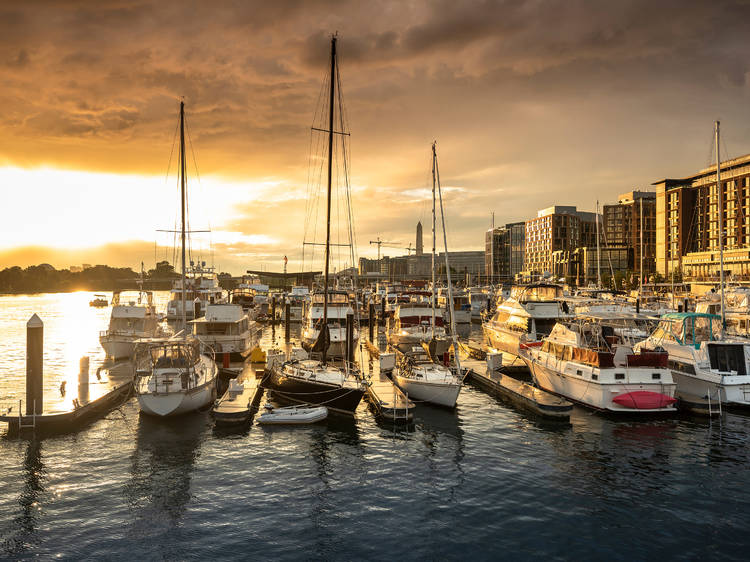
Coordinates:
<point>688,328</point>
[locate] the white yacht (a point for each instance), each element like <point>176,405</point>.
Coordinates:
<point>525,318</point>
<point>129,321</point>
<point>461,308</point>
<point>480,301</point>
<point>297,298</point>
<point>413,323</point>
<point>707,366</point>
<point>587,363</point>
<point>226,329</point>
<point>337,310</point>
<point>173,377</point>
<point>201,283</point>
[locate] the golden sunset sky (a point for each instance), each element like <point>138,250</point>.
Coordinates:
<point>532,104</point>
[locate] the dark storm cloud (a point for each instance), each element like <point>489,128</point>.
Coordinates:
<point>533,103</point>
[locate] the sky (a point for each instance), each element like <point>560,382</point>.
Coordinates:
<point>532,103</point>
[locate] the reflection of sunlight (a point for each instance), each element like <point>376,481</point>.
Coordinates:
<point>78,321</point>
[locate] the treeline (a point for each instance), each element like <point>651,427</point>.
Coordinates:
<point>46,279</point>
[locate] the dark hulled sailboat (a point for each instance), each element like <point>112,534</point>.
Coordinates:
<point>316,381</point>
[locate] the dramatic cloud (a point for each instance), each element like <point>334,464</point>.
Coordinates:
<point>532,103</point>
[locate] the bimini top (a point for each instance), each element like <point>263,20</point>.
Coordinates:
<point>688,328</point>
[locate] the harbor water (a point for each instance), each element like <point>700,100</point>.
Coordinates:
<point>485,481</point>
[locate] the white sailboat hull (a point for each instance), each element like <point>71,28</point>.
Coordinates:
<point>441,394</point>
<point>176,403</point>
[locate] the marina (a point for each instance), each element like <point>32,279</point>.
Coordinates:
<point>374,281</point>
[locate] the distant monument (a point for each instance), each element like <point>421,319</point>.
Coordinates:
<point>420,247</point>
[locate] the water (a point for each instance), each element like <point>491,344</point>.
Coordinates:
<point>483,482</point>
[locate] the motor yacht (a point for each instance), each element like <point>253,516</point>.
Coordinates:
<point>587,363</point>
<point>132,318</point>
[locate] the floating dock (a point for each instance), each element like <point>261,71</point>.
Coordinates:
<point>388,400</point>
<point>241,400</point>
<point>85,408</point>
<point>531,398</point>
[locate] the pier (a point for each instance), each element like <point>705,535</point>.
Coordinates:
<point>522,394</point>
<point>242,398</point>
<point>388,401</point>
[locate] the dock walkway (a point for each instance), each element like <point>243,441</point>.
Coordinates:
<point>239,406</point>
<point>96,401</point>
<point>389,401</point>
<point>529,397</point>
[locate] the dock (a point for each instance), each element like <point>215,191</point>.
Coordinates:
<point>524,395</point>
<point>97,402</point>
<point>388,401</point>
<point>241,400</point>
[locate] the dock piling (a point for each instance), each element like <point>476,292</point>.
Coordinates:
<point>287,319</point>
<point>273,309</point>
<point>350,337</point>
<point>371,323</point>
<point>34,365</point>
<point>83,379</point>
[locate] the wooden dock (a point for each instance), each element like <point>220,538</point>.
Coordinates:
<point>96,402</point>
<point>238,407</point>
<point>531,398</point>
<point>388,401</point>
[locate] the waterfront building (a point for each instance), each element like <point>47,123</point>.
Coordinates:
<point>688,222</point>
<point>556,228</point>
<point>622,228</point>
<point>581,266</point>
<point>504,252</point>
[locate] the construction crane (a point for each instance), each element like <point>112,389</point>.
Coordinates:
<point>380,242</point>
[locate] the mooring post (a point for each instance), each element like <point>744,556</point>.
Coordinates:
<point>372,320</point>
<point>273,309</point>
<point>83,380</point>
<point>382,310</point>
<point>34,365</point>
<point>638,305</point>
<point>287,319</point>
<point>196,309</point>
<point>350,337</point>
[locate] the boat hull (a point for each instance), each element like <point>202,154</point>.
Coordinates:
<point>177,403</point>
<point>298,390</point>
<point>439,394</point>
<point>608,397</point>
<point>118,348</point>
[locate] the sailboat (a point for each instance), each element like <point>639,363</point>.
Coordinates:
<point>172,375</point>
<point>317,381</point>
<point>418,372</point>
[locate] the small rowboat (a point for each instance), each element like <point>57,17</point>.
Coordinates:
<point>292,415</point>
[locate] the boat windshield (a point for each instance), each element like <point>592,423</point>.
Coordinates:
<point>173,355</point>
<point>537,293</point>
<point>691,330</point>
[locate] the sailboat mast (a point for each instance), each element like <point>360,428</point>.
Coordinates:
<point>598,251</point>
<point>328,203</point>
<point>454,332</point>
<point>720,196</point>
<point>432,298</point>
<point>640,280</point>
<point>182,201</point>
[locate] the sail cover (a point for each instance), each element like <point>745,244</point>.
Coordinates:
<point>323,342</point>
